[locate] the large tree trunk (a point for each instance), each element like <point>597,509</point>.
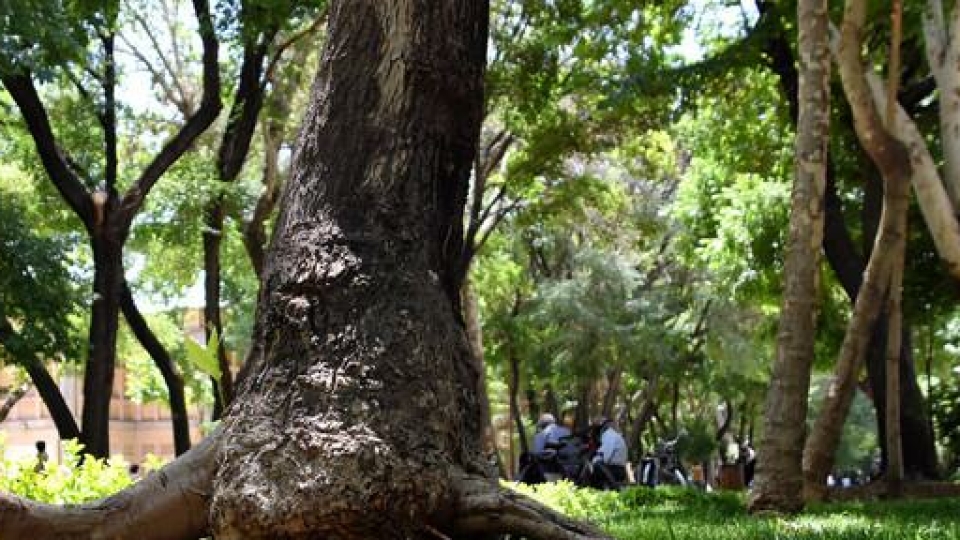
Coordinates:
<point>363,399</point>
<point>779,479</point>
<point>359,416</point>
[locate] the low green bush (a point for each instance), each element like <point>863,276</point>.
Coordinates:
<point>69,482</point>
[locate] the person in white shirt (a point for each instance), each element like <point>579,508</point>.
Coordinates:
<point>610,461</point>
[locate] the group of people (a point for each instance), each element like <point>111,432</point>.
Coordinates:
<point>599,456</point>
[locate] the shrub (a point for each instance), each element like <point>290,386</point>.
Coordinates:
<point>69,482</point>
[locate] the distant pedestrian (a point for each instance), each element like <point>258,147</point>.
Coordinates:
<point>42,456</point>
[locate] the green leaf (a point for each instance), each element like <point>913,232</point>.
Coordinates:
<point>204,358</point>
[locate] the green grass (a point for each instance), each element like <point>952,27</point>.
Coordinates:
<point>668,514</point>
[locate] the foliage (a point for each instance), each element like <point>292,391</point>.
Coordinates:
<point>858,445</point>
<point>144,383</point>
<point>687,514</point>
<point>205,358</point>
<point>38,294</point>
<point>945,400</point>
<point>73,481</point>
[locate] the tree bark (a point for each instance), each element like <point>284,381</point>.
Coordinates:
<point>101,362</point>
<point>848,265</point>
<point>779,480</point>
<point>358,416</point>
<point>10,400</point>
<point>893,161</point>
<point>364,392</point>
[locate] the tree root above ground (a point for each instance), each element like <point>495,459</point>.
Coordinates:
<point>174,502</point>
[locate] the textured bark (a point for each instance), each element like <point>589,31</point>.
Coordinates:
<point>779,480</point>
<point>849,266</point>
<point>357,419</point>
<point>892,159</point>
<point>358,416</point>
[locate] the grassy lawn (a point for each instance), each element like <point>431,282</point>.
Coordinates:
<point>670,513</point>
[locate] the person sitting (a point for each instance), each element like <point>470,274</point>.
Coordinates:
<point>549,433</point>
<point>610,461</point>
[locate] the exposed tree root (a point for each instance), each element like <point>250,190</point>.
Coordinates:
<point>170,504</point>
<point>485,508</point>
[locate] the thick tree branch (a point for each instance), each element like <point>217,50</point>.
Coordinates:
<point>14,395</point>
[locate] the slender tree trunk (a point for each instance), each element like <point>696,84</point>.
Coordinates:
<point>779,479</point>
<point>515,413</point>
<point>471,317</point>
<point>893,161</point>
<point>179,418</point>
<point>613,390</point>
<point>213,231</point>
<point>53,399</point>
<point>10,400</point>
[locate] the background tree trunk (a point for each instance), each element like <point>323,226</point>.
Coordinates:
<point>779,478</point>
<point>101,362</point>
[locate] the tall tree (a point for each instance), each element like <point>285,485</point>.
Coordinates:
<point>884,271</point>
<point>359,416</point>
<point>779,480</point>
<point>849,267</point>
<point>106,213</point>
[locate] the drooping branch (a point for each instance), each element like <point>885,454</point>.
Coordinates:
<point>14,395</point>
<point>169,504</point>
<point>46,387</point>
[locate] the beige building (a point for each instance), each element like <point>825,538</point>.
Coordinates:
<point>135,429</point>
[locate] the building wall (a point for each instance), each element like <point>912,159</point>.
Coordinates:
<point>135,429</point>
